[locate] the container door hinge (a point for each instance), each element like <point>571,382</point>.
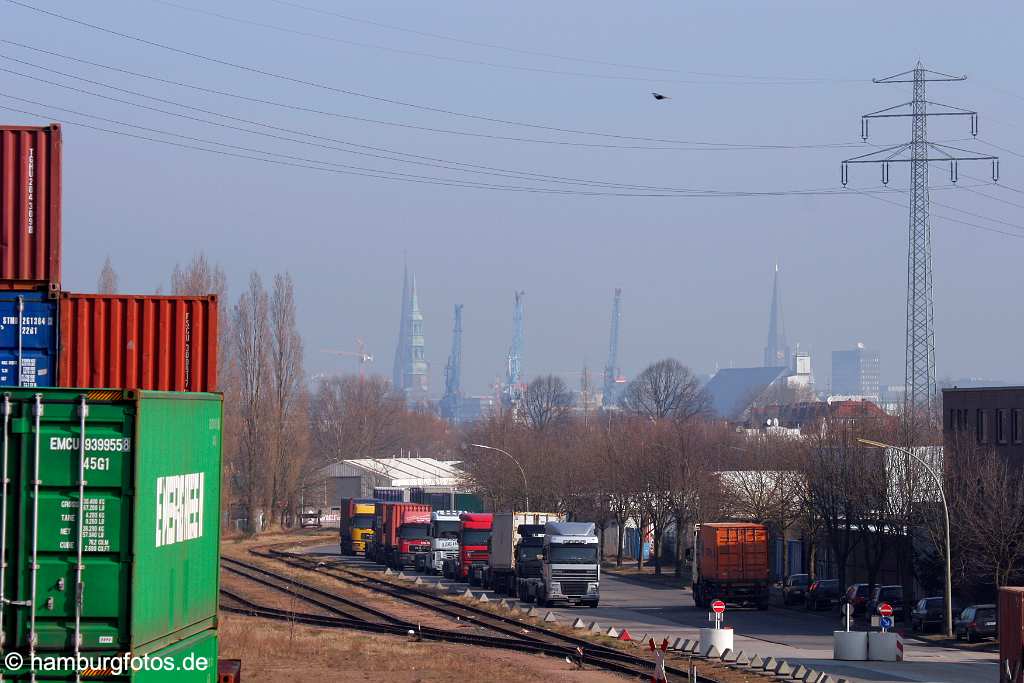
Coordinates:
<point>18,603</point>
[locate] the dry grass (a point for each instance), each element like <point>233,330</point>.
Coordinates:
<point>272,652</point>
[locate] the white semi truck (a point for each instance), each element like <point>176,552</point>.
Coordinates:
<point>515,536</point>
<point>444,541</point>
<point>570,569</point>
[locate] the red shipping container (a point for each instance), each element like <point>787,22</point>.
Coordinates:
<point>1011,634</point>
<point>126,341</point>
<point>30,207</point>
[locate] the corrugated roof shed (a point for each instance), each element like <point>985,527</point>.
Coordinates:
<point>405,472</point>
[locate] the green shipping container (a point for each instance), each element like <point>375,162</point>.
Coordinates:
<point>138,569</point>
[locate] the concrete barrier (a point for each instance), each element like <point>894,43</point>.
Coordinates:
<point>579,623</point>
<point>612,632</point>
<point>884,647</point>
<point>850,646</point>
<point>721,638</point>
<point>550,618</point>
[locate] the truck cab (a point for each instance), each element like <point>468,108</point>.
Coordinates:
<point>474,536</point>
<point>405,534</point>
<point>569,566</point>
<point>444,541</point>
<point>356,525</point>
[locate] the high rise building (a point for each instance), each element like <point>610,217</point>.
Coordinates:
<point>410,372</point>
<point>776,353</point>
<point>855,372</point>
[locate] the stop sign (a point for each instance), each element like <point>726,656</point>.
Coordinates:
<point>717,606</point>
<point>885,609</point>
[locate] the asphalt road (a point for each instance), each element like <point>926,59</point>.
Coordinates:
<point>797,636</point>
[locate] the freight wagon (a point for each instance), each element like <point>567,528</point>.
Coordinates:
<point>110,525</point>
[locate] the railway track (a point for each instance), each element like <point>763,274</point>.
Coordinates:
<point>511,632</point>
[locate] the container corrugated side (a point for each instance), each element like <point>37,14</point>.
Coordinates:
<point>30,207</point>
<point>28,339</point>
<point>149,532</point>
<point>125,341</point>
<point>1011,633</point>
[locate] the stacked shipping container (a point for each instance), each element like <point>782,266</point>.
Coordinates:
<point>49,338</point>
<point>111,502</point>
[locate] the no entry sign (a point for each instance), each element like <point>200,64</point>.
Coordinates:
<point>885,609</point>
<point>717,606</point>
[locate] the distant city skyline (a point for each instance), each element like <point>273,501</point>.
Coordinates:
<point>759,143</point>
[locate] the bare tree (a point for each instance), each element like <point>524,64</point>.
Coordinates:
<point>666,389</point>
<point>106,283</point>
<point>250,323</point>
<point>288,441</point>
<point>352,417</point>
<point>546,401</point>
<point>769,487</point>
<point>986,501</point>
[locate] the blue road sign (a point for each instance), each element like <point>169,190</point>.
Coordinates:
<point>885,622</point>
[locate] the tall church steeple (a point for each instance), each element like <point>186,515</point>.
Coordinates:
<point>776,353</point>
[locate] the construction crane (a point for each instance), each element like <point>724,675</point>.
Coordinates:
<point>360,353</point>
<point>613,379</point>
<point>451,402</point>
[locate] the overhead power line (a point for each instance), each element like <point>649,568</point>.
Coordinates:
<point>568,58</point>
<point>244,152</point>
<point>680,145</point>
<point>385,153</point>
<point>472,62</point>
<point>335,89</point>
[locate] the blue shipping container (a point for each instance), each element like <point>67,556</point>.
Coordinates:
<point>28,350</point>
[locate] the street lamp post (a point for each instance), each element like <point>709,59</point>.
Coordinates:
<point>945,510</point>
<point>526,489</point>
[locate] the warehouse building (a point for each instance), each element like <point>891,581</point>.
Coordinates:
<point>439,483</point>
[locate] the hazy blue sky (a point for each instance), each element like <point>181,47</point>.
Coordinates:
<point>695,271</point>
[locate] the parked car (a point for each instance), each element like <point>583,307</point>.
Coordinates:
<point>931,612</point>
<point>857,595</point>
<point>890,594</point>
<point>822,594</point>
<point>795,588</point>
<point>976,622</point>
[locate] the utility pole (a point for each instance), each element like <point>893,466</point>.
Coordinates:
<point>919,152</point>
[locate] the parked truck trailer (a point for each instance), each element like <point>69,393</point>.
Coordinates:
<point>730,563</point>
<point>356,524</point>
<point>570,568</point>
<point>513,534</point>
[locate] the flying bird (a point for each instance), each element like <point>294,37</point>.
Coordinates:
<point>659,96</point>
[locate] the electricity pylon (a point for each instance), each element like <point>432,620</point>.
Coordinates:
<point>919,152</point>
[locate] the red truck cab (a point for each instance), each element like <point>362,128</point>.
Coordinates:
<point>405,533</point>
<point>474,537</point>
